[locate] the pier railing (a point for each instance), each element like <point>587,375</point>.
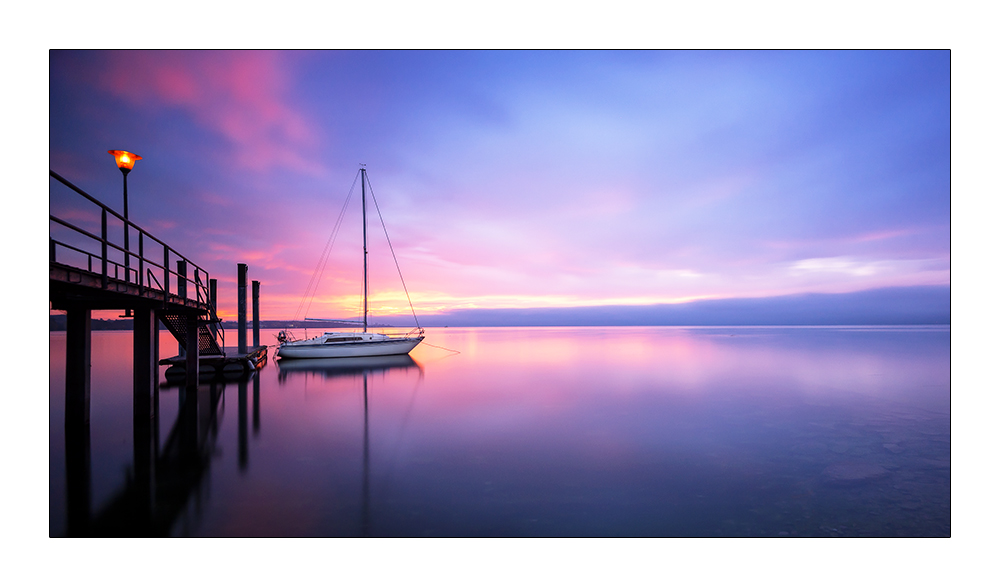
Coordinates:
<point>148,266</point>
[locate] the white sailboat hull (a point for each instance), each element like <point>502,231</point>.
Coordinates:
<point>368,345</point>
<point>338,345</point>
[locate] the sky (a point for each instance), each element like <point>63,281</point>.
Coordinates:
<point>522,179</point>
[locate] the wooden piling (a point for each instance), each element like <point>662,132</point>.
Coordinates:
<point>77,420</point>
<point>256,313</point>
<point>241,284</point>
<point>144,376</point>
<point>77,365</point>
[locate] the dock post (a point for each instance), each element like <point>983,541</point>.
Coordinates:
<point>77,421</point>
<point>144,375</point>
<point>241,283</point>
<point>191,365</point>
<point>256,314</point>
<point>144,359</point>
<point>77,366</point>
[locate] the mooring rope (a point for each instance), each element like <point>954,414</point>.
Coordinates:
<point>442,348</point>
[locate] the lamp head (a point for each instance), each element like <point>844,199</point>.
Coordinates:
<point>125,160</point>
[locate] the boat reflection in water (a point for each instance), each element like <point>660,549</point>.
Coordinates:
<point>349,368</point>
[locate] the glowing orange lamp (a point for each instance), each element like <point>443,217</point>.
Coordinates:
<point>125,161</point>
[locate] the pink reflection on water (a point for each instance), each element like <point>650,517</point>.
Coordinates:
<point>558,416</point>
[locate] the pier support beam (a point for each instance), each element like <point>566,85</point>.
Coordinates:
<point>144,376</point>
<point>144,362</point>
<point>77,421</point>
<point>77,366</point>
<point>241,307</point>
<point>256,314</point>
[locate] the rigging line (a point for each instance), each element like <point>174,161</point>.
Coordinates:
<point>386,231</point>
<point>317,275</point>
<point>316,271</point>
<point>329,248</point>
<point>320,265</point>
<point>443,348</point>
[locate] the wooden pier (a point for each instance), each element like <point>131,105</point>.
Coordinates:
<point>154,284</point>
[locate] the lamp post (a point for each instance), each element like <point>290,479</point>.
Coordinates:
<point>125,161</point>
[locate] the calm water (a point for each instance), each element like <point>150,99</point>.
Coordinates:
<point>536,432</point>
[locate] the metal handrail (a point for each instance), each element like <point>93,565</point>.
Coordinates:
<point>201,290</point>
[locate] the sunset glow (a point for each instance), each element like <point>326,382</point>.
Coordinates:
<point>524,179</point>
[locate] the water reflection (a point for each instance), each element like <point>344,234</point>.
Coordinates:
<point>164,478</point>
<point>343,367</point>
<point>348,369</point>
<point>533,432</point>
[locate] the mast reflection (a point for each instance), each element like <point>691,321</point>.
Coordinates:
<point>350,368</point>
<point>365,491</point>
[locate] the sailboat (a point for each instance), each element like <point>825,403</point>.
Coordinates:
<point>334,345</point>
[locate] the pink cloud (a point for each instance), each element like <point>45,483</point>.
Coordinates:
<point>241,95</point>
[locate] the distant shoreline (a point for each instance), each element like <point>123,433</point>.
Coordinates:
<point>57,323</point>
<point>891,306</point>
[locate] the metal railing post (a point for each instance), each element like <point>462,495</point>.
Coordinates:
<point>142,265</point>
<point>104,248</point>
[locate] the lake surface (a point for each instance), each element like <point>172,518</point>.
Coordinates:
<point>660,431</point>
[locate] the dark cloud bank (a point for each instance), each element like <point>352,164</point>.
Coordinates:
<point>894,305</point>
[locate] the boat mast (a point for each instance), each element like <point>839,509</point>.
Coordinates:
<point>364,237</point>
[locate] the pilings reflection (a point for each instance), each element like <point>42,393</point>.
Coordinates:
<point>163,479</point>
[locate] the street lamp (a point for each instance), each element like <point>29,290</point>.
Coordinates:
<point>125,161</point>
